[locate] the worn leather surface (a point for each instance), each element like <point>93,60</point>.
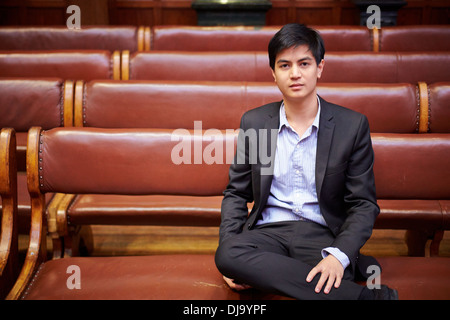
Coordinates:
<point>191,277</point>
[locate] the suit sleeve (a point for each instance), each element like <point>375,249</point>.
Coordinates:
<point>360,196</point>
<point>238,194</point>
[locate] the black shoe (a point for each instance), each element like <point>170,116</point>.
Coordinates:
<point>385,293</point>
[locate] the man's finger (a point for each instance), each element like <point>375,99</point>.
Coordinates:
<point>236,286</point>
<point>312,274</point>
<point>337,283</point>
<point>330,282</point>
<point>321,282</point>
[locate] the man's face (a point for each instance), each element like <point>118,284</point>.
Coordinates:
<point>296,73</point>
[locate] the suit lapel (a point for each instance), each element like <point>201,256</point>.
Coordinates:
<point>324,139</point>
<point>272,123</point>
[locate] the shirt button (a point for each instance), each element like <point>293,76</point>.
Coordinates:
<point>297,171</point>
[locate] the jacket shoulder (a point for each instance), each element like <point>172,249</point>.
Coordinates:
<point>257,116</point>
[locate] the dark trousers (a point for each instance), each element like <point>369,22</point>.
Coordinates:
<point>277,257</point>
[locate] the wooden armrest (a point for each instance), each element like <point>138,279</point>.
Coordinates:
<point>121,65</point>
<point>68,103</point>
<point>147,39</point>
<point>424,107</point>
<point>125,65</point>
<point>37,245</point>
<point>9,261</point>
<point>116,65</point>
<point>376,40</point>
<point>143,38</point>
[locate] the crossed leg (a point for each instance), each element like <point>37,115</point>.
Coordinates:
<point>276,258</point>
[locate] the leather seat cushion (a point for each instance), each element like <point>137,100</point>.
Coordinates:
<point>133,277</point>
<point>445,205</point>
<point>205,211</point>
<point>417,278</point>
<point>196,277</point>
<point>154,209</point>
<point>409,214</point>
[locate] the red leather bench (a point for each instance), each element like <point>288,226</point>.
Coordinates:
<point>25,103</point>
<point>107,104</point>
<point>67,64</point>
<point>224,38</point>
<point>390,108</point>
<point>415,38</point>
<point>109,38</point>
<point>34,102</point>
<point>336,38</point>
<point>221,38</point>
<point>344,67</point>
<point>384,67</point>
<point>90,160</point>
<point>411,178</point>
<point>393,108</point>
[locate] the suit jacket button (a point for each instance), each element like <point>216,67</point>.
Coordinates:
<point>249,226</point>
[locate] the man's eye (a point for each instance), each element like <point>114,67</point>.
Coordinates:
<point>284,66</point>
<point>304,64</point>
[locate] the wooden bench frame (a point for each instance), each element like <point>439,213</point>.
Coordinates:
<point>9,237</point>
<point>37,249</point>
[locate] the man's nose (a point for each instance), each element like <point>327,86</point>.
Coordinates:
<point>295,72</point>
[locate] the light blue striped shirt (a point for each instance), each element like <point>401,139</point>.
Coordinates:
<point>293,193</point>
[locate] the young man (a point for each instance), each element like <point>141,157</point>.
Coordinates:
<point>314,202</point>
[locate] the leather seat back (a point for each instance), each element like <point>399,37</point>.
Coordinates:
<point>133,162</point>
<point>31,102</point>
<point>415,38</point>
<point>386,67</point>
<point>342,67</point>
<point>439,102</point>
<point>109,38</point>
<point>182,38</point>
<point>412,166</point>
<point>86,65</point>
<point>150,104</point>
<point>25,103</point>
<point>200,66</point>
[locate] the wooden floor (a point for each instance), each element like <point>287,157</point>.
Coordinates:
<point>142,240</point>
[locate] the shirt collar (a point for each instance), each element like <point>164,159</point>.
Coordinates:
<point>283,118</point>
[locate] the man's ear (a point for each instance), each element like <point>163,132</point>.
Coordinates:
<point>320,68</point>
<point>273,75</point>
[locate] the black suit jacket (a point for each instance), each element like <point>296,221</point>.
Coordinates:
<point>344,175</point>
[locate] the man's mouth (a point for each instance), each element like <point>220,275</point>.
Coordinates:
<point>296,86</point>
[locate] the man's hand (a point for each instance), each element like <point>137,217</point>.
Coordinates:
<point>236,286</point>
<point>331,269</point>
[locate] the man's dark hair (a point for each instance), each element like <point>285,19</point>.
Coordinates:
<point>294,35</point>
